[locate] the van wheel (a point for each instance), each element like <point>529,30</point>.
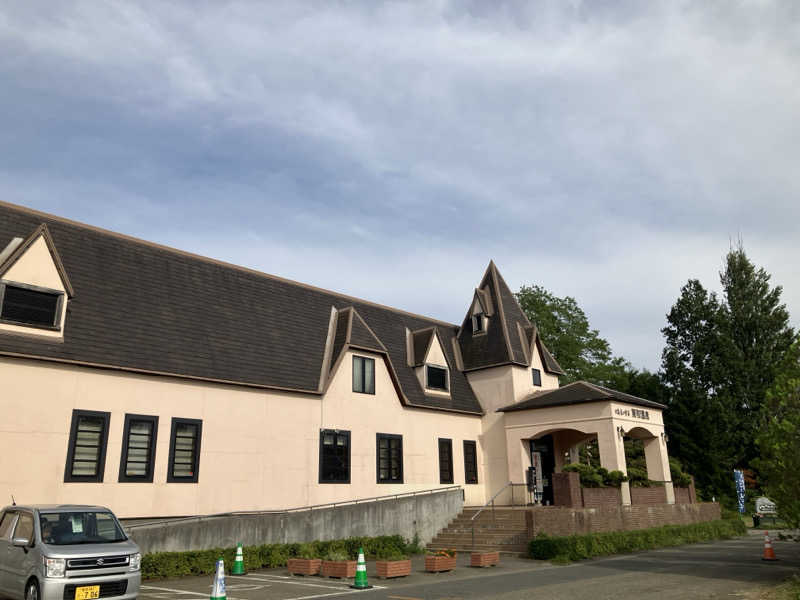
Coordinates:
<point>32,590</point>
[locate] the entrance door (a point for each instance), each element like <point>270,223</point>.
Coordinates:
<point>542,454</point>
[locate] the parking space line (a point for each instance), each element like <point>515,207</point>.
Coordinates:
<point>344,585</point>
<point>160,589</point>
<point>184,592</point>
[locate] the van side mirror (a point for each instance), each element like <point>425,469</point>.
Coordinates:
<point>21,542</point>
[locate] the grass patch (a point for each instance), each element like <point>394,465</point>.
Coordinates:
<point>790,590</point>
<point>579,547</point>
<point>160,565</point>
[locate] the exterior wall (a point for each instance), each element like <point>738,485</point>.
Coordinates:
<point>364,415</point>
<point>36,267</point>
<point>557,521</point>
<point>424,515</point>
<point>549,382</point>
<point>259,448</point>
<point>494,388</point>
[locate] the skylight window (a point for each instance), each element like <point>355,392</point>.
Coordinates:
<point>30,306</point>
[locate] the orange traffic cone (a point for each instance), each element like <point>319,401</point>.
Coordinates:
<point>769,553</point>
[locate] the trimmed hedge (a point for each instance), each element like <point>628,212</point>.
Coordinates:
<point>159,565</point>
<point>578,547</point>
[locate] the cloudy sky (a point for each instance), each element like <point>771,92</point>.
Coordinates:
<point>604,150</point>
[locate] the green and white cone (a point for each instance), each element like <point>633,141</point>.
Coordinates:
<point>218,589</point>
<point>361,573</point>
<point>238,563</point>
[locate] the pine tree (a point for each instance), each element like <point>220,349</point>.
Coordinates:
<point>720,358</point>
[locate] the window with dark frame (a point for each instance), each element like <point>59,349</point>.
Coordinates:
<point>184,450</point>
<point>445,460</point>
<point>389,458</point>
<point>470,461</point>
<point>537,377</point>
<point>334,456</point>
<point>477,323</point>
<point>30,306</point>
<point>138,448</point>
<point>363,375</point>
<point>86,453</point>
<point>436,378</point>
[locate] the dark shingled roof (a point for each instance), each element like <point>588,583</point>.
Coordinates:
<point>144,307</point>
<point>578,392</point>
<point>502,343</point>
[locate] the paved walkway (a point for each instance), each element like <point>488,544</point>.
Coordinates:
<point>726,569</point>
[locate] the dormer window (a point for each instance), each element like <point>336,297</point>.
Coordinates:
<point>436,378</point>
<point>537,377</point>
<point>30,306</point>
<point>478,323</point>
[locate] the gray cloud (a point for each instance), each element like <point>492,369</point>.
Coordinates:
<point>606,151</point>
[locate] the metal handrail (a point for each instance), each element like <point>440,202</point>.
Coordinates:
<point>490,502</point>
<point>284,511</point>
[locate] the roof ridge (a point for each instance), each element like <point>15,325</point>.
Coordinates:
<point>216,261</point>
<point>492,271</point>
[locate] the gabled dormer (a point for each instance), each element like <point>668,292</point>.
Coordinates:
<point>34,286</point>
<point>427,356</point>
<point>496,331</point>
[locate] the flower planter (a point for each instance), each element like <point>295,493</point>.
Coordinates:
<point>437,564</point>
<point>393,568</point>
<point>339,568</point>
<point>304,566</point>
<point>484,559</point>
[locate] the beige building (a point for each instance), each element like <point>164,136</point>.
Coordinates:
<point>161,383</point>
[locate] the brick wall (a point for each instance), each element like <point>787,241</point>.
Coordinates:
<point>649,495</point>
<point>601,497</point>
<point>682,496</point>
<point>567,490</point>
<point>560,521</point>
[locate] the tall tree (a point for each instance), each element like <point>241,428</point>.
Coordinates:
<point>697,421</point>
<point>720,358</point>
<point>565,329</point>
<point>779,439</point>
<point>754,339</point>
<point>579,349</point>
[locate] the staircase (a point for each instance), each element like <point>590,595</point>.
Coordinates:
<point>505,532</point>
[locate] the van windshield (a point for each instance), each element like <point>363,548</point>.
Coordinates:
<point>89,527</point>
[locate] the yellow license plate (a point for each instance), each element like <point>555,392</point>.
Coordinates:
<point>89,592</point>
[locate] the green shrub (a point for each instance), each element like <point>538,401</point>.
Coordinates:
<point>338,555</point>
<point>391,554</point>
<point>579,547</point>
<point>306,551</point>
<point>596,476</point>
<point>587,473</point>
<point>615,478</point>
<point>160,565</point>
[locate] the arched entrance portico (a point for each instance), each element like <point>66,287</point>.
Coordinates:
<point>579,412</point>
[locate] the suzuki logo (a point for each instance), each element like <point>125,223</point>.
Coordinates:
<point>99,562</point>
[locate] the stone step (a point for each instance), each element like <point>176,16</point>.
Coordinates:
<point>466,548</point>
<point>449,541</point>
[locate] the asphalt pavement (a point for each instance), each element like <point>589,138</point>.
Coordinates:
<point>724,569</point>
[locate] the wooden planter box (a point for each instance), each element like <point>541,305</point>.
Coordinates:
<point>437,564</point>
<point>484,559</point>
<point>393,568</point>
<point>304,566</point>
<point>339,568</point>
